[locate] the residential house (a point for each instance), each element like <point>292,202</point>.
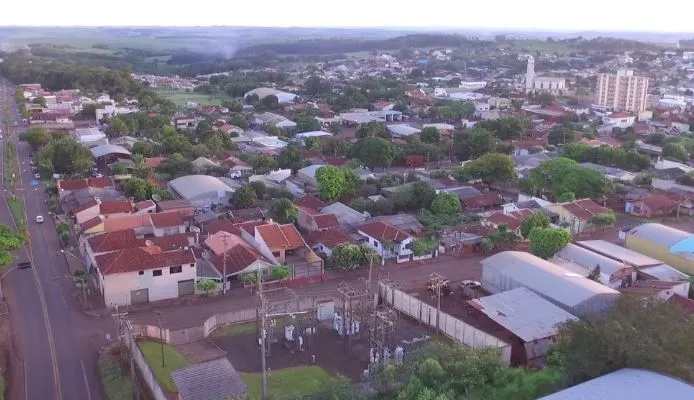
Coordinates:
<point>653,205</point>
<point>181,206</point>
<point>233,256</point>
<point>325,241</point>
<point>237,167</point>
<point>145,207</point>
<point>310,202</point>
<point>168,223</point>
<point>308,175</point>
<point>612,173</point>
<point>577,214</point>
<point>65,187</point>
<point>663,290</point>
<point>404,222</point>
<point>310,220</point>
<point>141,223</point>
<point>511,220</point>
<point>247,214</point>
<point>388,241</point>
<point>144,274</point>
<point>274,179</point>
<point>483,202</point>
<point>345,215</point>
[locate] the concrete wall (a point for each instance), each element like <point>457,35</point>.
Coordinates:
<point>661,253</point>
<point>117,287</point>
<point>447,324</point>
<point>145,371</point>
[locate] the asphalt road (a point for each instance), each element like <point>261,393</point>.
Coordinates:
<point>57,342</point>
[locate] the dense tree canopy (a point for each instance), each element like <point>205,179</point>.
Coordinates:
<point>474,143</point>
<point>535,220</point>
<point>637,333</point>
<point>64,156</point>
<point>562,175</point>
<point>373,129</point>
<point>504,128</point>
<point>625,159</point>
<point>491,167</point>
<point>37,137</point>
<point>373,152</point>
<point>283,211</point>
<point>445,204</point>
<point>545,242</point>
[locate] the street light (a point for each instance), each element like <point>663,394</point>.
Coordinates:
<point>161,338</point>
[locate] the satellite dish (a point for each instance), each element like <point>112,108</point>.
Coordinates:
<point>156,197</point>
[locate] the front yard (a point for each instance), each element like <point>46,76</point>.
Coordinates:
<point>295,382</point>
<point>173,360</point>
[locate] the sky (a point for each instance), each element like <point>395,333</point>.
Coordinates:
<point>552,15</point>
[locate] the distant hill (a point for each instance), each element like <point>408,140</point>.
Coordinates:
<point>341,46</point>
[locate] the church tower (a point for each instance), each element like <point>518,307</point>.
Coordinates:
<point>530,74</point>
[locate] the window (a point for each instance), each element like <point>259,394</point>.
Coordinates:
<point>375,244</point>
<point>140,272</point>
<point>156,272</point>
<point>176,270</point>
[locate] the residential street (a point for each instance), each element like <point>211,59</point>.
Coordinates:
<point>57,342</point>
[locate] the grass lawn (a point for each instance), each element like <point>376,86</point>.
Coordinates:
<point>235,329</point>
<point>117,385</point>
<point>2,388</point>
<point>288,382</point>
<point>173,360</point>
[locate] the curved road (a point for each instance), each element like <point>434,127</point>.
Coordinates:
<point>56,344</point>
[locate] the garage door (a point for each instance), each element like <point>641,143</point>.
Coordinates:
<point>139,296</point>
<point>186,287</point>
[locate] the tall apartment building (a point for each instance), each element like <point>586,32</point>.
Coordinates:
<point>623,91</point>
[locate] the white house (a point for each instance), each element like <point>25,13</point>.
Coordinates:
<point>620,120</point>
<point>144,274</point>
<point>387,240</point>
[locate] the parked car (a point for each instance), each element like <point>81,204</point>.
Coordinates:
<point>39,219</point>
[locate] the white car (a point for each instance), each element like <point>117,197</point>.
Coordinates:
<point>39,219</point>
<point>37,175</point>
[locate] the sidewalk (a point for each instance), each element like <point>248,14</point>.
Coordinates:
<point>193,311</point>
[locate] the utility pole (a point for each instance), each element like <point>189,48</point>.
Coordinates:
<point>125,333</point>
<point>161,338</point>
<point>263,315</point>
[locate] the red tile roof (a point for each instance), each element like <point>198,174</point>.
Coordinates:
<point>280,236</point>
<point>248,214</point>
<point>166,219</point>
<point>578,211</point>
<point>85,206</point>
<point>326,221</point>
<point>142,258</point>
<point>591,206</point>
<point>383,232</point>
<point>115,207</point>
<point>79,184</point>
<point>310,201</point>
<point>329,238</point>
<point>144,205</point>
<point>86,225</point>
<point>336,161</point>
<point>499,218</point>
<point>659,202</point>
<point>112,241</point>
<point>215,226</point>
<point>237,258</point>
<point>483,200</point>
<point>154,162</point>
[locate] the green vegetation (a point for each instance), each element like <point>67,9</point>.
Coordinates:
<point>17,210</point>
<point>117,384</point>
<point>620,158</point>
<point>295,382</point>
<point>235,329</point>
<point>181,97</point>
<point>283,211</point>
<point>545,242</point>
<point>562,175</point>
<point>173,360</point>
<point>11,167</point>
<point>352,256</point>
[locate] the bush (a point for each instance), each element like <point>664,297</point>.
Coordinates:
<point>280,272</point>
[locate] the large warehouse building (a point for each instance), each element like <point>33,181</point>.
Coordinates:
<point>669,245</point>
<point>572,292</point>
<point>627,384</point>
<point>202,190</point>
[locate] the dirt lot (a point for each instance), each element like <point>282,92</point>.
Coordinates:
<point>328,346</point>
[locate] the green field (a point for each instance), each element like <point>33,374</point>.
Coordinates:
<point>293,382</point>
<point>173,360</point>
<point>180,98</point>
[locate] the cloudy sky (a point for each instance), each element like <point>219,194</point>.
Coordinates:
<point>603,15</point>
